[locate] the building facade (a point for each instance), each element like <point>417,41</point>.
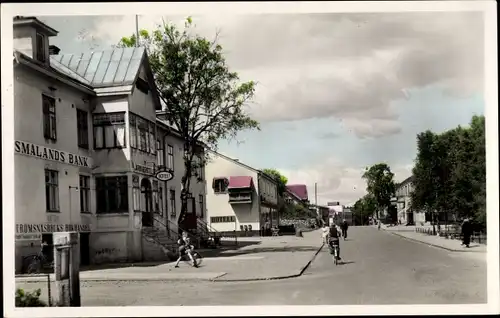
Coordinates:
<point>88,145</point>
<point>241,199</point>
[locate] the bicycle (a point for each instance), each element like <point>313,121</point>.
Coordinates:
<point>36,263</point>
<point>196,257</point>
<point>335,250</point>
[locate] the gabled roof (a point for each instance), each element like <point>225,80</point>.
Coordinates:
<point>109,68</point>
<point>300,190</point>
<point>238,162</point>
<point>240,182</point>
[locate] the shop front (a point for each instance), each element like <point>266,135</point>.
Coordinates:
<point>29,239</point>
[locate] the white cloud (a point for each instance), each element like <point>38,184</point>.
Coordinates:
<point>337,181</point>
<point>346,66</point>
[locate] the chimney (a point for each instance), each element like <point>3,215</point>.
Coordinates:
<point>54,50</point>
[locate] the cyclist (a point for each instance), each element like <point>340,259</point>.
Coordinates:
<point>185,248</point>
<point>344,227</point>
<point>334,240</point>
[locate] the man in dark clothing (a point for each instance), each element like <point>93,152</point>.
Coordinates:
<point>466,232</point>
<point>344,227</point>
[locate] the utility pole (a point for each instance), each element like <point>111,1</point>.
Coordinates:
<point>136,30</point>
<point>316,197</point>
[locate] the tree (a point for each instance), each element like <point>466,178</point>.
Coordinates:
<point>281,179</point>
<point>380,185</point>
<point>450,173</point>
<point>424,194</point>
<point>363,209</point>
<point>200,96</point>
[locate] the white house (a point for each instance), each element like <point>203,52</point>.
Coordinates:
<point>87,149</point>
<point>240,198</point>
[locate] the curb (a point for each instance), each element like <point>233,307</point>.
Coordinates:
<point>430,244</point>
<point>31,280</point>
<point>216,280</point>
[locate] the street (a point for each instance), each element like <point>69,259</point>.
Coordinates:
<point>379,268</point>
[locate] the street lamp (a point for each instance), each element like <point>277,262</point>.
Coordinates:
<point>70,202</point>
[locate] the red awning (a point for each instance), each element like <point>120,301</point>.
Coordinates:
<point>240,182</point>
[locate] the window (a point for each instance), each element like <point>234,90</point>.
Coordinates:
<point>156,205</point>
<point>151,136</point>
<point>52,190</point>
<point>85,194</point>
<point>49,117</point>
<point>111,194</point>
<point>159,209</point>
<point>170,157</point>
<point>172,203</point>
<point>40,47</point>
<point>200,202</point>
<point>133,131</point>
<point>222,219</point>
<point>160,153</point>
<point>142,85</point>
<point>220,185</point>
<point>136,192</point>
<point>83,128</point>
<point>109,130</point>
<point>142,134</point>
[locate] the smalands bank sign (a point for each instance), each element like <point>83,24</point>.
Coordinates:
<point>42,152</point>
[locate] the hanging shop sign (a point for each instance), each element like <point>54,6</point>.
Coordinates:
<point>165,175</point>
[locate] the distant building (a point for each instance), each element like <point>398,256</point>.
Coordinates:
<point>241,199</point>
<point>408,216</point>
<point>299,191</point>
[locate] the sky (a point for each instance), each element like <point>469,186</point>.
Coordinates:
<point>336,92</point>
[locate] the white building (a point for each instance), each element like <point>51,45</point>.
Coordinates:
<point>87,148</point>
<point>241,198</point>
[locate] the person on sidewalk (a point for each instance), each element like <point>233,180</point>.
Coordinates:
<point>184,248</point>
<point>324,233</point>
<point>466,232</point>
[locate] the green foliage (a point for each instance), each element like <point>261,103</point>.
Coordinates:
<point>201,97</point>
<point>363,209</point>
<point>450,172</point>
<point>27,299</point>
<point>282,180</point>
<point>296,211</point>
<point>380,185</point>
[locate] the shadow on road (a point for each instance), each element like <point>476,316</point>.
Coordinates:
<point>346,262</point>
<point>237,252</point>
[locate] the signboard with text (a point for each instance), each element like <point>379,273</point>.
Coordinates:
<point>42,152</point>
<point>143,169</point>
<point>165,175</point>
<point>51,228</point>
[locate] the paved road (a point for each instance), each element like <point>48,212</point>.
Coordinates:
<point>380,268</point>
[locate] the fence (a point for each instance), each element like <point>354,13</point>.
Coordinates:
<point>477,237</point>
<point>24,280</point>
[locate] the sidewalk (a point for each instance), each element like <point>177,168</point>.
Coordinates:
<point>257,258</point>
<point>452,245</point>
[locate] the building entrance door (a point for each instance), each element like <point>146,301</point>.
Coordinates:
<point>84,248</point>
<point>147,198</point>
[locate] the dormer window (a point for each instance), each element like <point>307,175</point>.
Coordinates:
<point>40,48</point>
<point>142,85</point>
